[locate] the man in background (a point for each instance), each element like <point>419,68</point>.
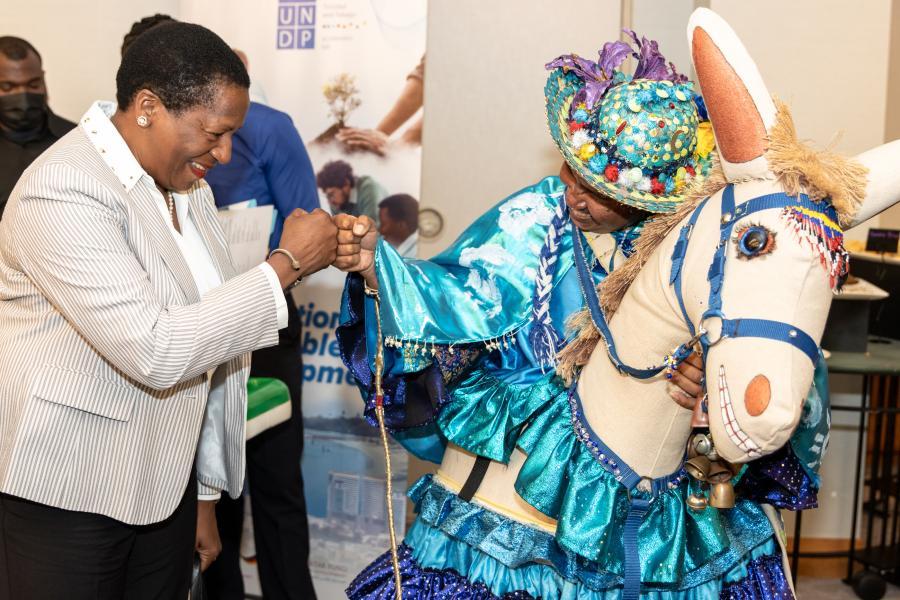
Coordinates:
<point>399,215</point>
<point>27,125</point>
<point>270,166</point>
<point>348,193</point>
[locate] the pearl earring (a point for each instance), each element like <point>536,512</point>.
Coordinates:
<point>143,121</point>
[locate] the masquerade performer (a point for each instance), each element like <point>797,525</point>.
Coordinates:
<point>522,505</point>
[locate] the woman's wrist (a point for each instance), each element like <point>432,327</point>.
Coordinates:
<point>281,264</point>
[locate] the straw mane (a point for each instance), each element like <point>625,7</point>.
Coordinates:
<point>799,169</point>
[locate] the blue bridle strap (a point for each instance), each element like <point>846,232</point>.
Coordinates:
<point>730,328</point>
<point>771,330</point>
<point>758,328</point>
<point>678,254</point>
<point>589,292</point>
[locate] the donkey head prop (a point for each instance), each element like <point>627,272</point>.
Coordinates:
<point>745,269</point>
<point>781,251</point>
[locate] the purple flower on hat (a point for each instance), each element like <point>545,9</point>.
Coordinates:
<point>612,56</point>
<point>597,76</point>
<point>651,63</point>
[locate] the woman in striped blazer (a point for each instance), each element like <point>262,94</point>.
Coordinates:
<point>125,333</point>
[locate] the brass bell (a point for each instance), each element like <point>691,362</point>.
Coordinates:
<point>701,444</point>
<point>696,502</point>
<point>719,473</point>
<point>697,467</point>
<point>722,495</point>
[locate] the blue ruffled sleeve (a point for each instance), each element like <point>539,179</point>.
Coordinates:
<point>441,318</point>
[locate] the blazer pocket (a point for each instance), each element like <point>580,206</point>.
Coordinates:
<point>86,392</point>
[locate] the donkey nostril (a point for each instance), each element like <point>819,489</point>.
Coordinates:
<point>757,395</point>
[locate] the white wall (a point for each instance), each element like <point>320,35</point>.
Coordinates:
<point>665,22</point>
<point>827,59</point>
<point>79,41</point>
<point>485,130</point>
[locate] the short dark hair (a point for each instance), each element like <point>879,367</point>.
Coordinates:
<point>335,174</point>
<point>15,48</point>
<point>402,207</point>
<point>139,27</point>
<point>182,63</point>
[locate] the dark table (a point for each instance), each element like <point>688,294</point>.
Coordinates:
<point>881,360</point>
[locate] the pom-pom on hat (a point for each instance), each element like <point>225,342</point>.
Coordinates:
<point>638,139</point>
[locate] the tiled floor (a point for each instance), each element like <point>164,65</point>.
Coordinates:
<point>834,589</point>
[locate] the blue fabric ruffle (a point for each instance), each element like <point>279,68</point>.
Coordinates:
<point>765,580</point>
<point>509,542</point>
<point>779,479</point>
<point>435,565</point>
<point>485,415</point>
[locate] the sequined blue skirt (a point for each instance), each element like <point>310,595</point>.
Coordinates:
<point>760,578</point>
<point>485,556</point>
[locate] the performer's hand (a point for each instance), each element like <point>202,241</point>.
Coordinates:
<point>688,382</point>
<point>208,545</point>
<point>356,237</point>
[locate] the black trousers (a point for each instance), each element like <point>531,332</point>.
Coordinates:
<point>280,528</point>
<point>54,554</point>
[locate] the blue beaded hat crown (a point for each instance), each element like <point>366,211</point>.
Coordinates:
<point>639,140</point>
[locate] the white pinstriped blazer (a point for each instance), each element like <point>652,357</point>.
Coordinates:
<point>105,343</point>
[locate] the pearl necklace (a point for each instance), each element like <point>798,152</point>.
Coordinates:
<point>170,202</point>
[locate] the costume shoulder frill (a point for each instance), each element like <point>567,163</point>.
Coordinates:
<point>480,288</point>
<point>445,321</point>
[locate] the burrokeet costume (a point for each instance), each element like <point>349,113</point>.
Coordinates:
<point>592,490</point>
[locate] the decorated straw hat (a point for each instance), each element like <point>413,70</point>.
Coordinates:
<point>638,139</point>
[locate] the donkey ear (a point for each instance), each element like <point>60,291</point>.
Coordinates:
<point>738,102</point>
<point>883,186</point>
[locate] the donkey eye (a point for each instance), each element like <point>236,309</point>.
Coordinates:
<point>753,241</point>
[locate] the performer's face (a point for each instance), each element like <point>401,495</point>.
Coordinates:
<point>593,212</point>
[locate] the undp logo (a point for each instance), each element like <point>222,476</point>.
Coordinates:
<point>296,24</point>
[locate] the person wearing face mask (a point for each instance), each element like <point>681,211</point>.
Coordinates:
<point>27,125</point>
<point>125,333</point>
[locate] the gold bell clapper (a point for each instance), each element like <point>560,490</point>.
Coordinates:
<point>721,495</point>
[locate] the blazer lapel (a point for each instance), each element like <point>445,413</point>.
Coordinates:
<point>145,204</point>
<point>211,233</point>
